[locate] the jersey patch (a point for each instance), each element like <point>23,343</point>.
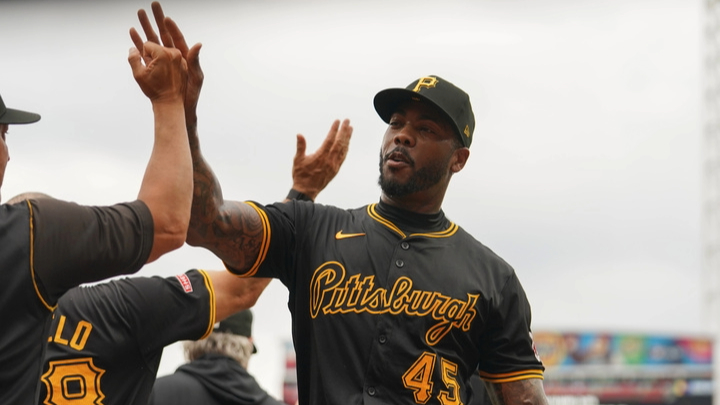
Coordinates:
<point>185,282</point>
<point>537,356</point>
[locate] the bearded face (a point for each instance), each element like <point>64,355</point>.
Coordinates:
<point>420,179</point>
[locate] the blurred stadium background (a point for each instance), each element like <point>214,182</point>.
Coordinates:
<point>585,366</point>
<point>588,368</point>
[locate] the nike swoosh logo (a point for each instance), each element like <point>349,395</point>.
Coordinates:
<point>341,235</point>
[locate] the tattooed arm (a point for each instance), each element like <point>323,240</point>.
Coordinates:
<point>231,230</point>
<point>523,392</point>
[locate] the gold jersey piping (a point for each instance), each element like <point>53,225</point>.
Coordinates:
<point>32,260</point>
<point>213,304</point>
<point>264,245</point>
<point>513,376</point>
<point>372,212</point>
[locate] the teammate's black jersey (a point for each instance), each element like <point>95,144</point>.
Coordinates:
<point>49,246</point>
<point>391,306</point>
<point>106,340</point>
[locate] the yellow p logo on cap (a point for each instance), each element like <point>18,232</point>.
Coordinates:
<point>427,82</point>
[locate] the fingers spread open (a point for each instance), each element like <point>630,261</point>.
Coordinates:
<point>147,27</point>
<point>330,137</point>
<point>301,146</point>
<point>137,39</point>
<point>134,60</point>
<point>342,140</point>
<point>177,36</point>
<point>159,15</point>
<point>193,57</point>
<point>345,133</point>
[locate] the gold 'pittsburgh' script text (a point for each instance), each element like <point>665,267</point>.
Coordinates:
<point>332,293</point>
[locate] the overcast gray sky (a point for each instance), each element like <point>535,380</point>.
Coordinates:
<point>585,173</point>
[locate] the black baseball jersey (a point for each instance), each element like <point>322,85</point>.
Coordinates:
<point>106,340</point>
<point>49,246</point>
<point>391,306</point>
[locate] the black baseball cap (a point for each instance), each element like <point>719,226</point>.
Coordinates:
<point>239,324</point>
<point>451,100</point>
<point>12,116</point>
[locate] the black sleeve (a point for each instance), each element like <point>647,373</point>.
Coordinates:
<point>75,244</point>
<point>280,223</point>
<point>161,311</point>
<point>508,345</point>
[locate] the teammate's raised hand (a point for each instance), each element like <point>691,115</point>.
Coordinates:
<point>147,27</point>
<point>195,73</point>
<point>171,36</point>
<point>161,72</point>
<point>311,173</point>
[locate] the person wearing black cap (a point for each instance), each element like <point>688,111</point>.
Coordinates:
<point>216,372</point>
<point>391,302</point>
<point>109,337</point>
<point>106,340</point>
<point>50,246</point>
<point>10,116</point>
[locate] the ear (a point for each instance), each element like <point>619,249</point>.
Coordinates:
<point>460,157</point>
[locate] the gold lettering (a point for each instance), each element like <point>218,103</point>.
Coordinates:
<point>372,298</point>
<point>324,280</point>
<point>437,332</point>
<point>423,303</point>
<point>58,333</point>
<point>466,316</point>
<point>399,295</point>
<point>428,82</point>
<point>354,292</point>
<point>332,293</point>
<point>82,333</point>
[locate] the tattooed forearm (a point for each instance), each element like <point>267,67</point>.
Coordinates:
<point>523,392</point>
<point>207,199</point>
<point>231,230</point>
<point>207,193</point>
<point>236,237</point>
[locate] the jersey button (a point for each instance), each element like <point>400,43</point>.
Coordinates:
<point>371,391</point>
<point>382,339</point>
<point>405,246</point>
<point>399,263</point>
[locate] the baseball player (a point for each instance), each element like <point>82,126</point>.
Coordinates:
<point>50,246</point>
<point>106,340</point>
<point>391,302</point>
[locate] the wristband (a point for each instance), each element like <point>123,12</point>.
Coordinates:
<point>296,195</point>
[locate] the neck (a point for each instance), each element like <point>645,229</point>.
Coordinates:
<point>422,202</point>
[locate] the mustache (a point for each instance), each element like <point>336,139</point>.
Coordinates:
<point>401,150</point>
